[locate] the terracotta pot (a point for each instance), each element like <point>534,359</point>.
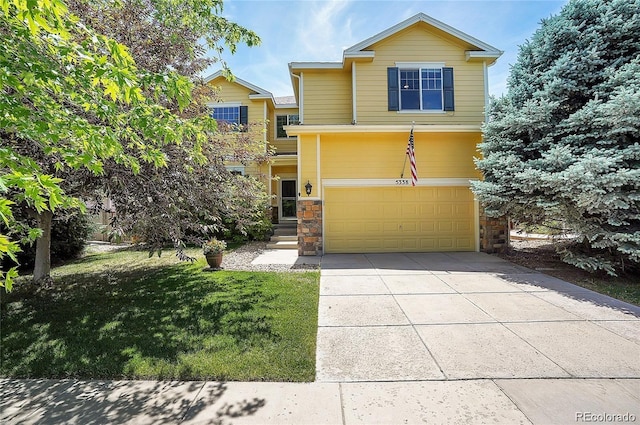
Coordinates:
<point>214,260</point>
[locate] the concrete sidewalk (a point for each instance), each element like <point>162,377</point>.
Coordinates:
<point>459,338</point>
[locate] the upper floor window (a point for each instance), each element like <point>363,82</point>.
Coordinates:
<point>236,169</point>
<point>426,88</point>
<point>236,116</point>
<point>283,120</point>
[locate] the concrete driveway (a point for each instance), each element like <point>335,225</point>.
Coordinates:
<point>460,338</point>
<point>470,338</point>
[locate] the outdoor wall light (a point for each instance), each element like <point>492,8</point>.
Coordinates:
<point>308,187</point>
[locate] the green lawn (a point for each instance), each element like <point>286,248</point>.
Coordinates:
<point>124,315</point>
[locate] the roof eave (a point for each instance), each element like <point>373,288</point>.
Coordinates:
<point>301,66</point>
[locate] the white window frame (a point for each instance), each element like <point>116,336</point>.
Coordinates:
<point>288,123</point>
<point>236,168</point>
<point>420,66</point>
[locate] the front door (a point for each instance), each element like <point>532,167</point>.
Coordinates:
<point>288,197</point>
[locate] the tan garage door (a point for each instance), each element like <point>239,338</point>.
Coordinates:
<point>398,219</point>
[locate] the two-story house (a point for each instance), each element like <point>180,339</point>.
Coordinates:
<point>342,143</point>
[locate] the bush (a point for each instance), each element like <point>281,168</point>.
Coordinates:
<point>259,230</point>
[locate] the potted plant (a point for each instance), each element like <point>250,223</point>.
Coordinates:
<point>212,251</point>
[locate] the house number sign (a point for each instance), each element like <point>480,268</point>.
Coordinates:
<point>402,182</point>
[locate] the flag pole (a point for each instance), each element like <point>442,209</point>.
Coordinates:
<point>406,154</point>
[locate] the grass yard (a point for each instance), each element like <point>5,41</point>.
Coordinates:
<point>123,315</point>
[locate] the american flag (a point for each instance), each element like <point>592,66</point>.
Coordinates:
<point>412,159</point>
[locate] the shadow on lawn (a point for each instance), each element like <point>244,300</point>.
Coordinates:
<point>131,321</point>
<point>99,402</point>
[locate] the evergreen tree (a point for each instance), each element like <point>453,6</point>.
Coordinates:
<point>563,144</point>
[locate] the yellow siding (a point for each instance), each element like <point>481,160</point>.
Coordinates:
<point>307,161</point>
<point>419,44</point>
<point>382,155</point>
<point>398,219</point>
<point>288,145</point>
<point>232,92</point>
<point>327,97</point>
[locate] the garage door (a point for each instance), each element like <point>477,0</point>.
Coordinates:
<point>398,219</point>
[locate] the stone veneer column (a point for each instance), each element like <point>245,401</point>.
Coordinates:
<point>309,214</point>
<point>494,233</point>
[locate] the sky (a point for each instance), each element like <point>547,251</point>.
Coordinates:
<point>319,31</point>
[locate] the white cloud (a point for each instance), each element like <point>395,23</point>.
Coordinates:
<point>322,30</point>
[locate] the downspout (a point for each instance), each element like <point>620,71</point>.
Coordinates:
<point>300,96</point>
<point>485,69</point>
<point>353,93</point>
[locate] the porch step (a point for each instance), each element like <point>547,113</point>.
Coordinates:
<point>285,231</point>
<point>283,245</point>
<point>284,238</point>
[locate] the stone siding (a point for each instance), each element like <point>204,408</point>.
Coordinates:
<point>309,227</point>
<point>494,233</point>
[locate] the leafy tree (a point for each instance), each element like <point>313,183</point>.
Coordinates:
<point>75,104</point>
<point>563,144</point>
<point>185,200</point>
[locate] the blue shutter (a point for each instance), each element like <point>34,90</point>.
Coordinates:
<point>393,89</point>
<point>447,88</point>
<point>244,117</point>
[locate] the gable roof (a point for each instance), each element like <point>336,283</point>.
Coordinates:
<point>482,49</point>
<point>259,93</point>
<point>479,49</point>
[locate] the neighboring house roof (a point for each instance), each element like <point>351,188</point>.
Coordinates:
<point>289,101</point>
<point>258,92</point>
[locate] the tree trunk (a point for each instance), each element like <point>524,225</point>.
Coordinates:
<point>42,267</point>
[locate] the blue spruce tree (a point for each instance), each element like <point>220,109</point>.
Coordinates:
<point>563,144</point>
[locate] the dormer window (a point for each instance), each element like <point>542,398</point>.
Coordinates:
<point>420,87</point>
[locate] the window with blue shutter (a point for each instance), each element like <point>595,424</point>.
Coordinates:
<point>237,116</point>
<point>420,89</point>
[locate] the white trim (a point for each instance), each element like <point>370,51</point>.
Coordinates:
<point>223,104</point>
<point>265,129</point>
<point>387,128</point>
<point>425,111</point>
<point>476,222</point>
<point>318,188</point>
<point>269,188</point>
<point>275,129</point>
<point>299,159</point>
<point>289,177</point>
<point>474,54</point>
<point>363,54</point>
<point>315,65</point>
<point>427,182</point>
<point>232,168</point>
<point>259,96</point>
<point>429,65</point>
<point>286,106</point>
<point>354,113</point>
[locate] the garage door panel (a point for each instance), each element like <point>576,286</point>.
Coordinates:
<point>398,219</point>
